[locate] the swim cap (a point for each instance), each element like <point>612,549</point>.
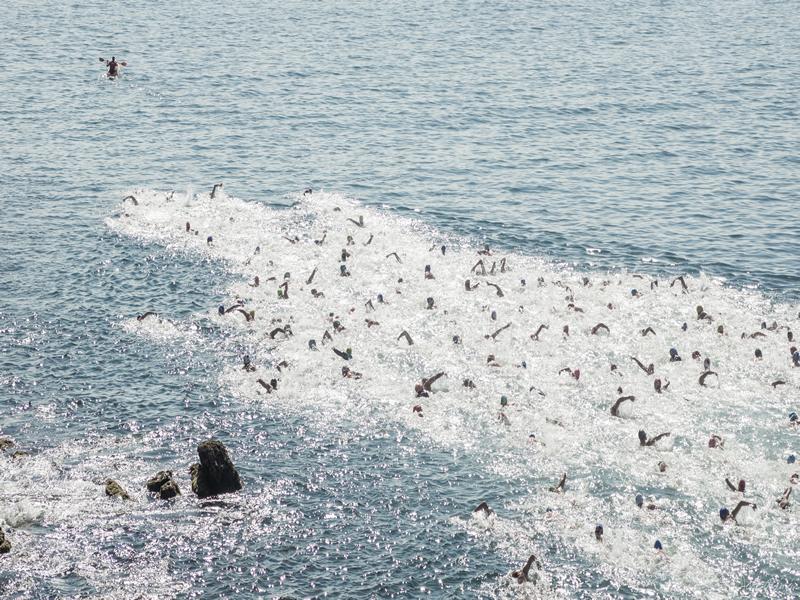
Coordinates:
<point>793,416</point>
<point>639,500</point>
<point>634,292</point>
<point>524,364</point>
<point>503,400</point>
<point>685,326</point>
<point>724,513</point>
<point>221,309</point>
<point>246,359</point>
<point>658,545</point>
<point>209,239</point>
<point>673,352</point>
<point>791,460</point>
<point>598,530</point>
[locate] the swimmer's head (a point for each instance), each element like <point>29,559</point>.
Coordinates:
<point>503,401</point>
<point>639,500</point>
<point>742,485</point>
<point>598,532</point>
<point>658,545</point>
<point>522,282</point>
<point>792,417</point>
<point>724,513</point>
<point>209,239</point>
<point>795,478</point>
<point>456,339</point>
<point>642,436</point>
<point>380,298</point>
<point>221,309</point>
<point>246,359</point>
<point>685,326</point>
<point>312,344</point>
<point>662,466</point>
<point>791,459</point>
<point>524,364</point>
<point>673,352</point>
<point>696,354</point>
<point>634,292</point>
<point>419,389</point>
<point>758,353</point>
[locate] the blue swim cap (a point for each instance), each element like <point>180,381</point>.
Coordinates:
<point>791,459</point>
<point>658,545</point>
<point>793,416</point>
<point>221,309</point>
<point>673,352</point>
<point>723,513</point>
<point>639,500</point>
<point>209,239</point>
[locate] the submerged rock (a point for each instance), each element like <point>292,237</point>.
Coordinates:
<point>163,485</point>
<point>6,442</point>
<point>114,489</point>
<point>215,473</point>
<point>5,544</point>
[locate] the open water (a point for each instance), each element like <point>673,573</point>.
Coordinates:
<point>580,139</point>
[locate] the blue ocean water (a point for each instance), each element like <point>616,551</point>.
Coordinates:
<point>652,137</point>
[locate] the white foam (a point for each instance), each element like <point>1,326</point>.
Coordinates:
<point>598,451</point>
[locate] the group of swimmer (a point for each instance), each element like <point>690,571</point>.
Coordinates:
<point>425,387</point>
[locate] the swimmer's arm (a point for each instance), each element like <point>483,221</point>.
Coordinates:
<point>427,383</point>
<point>742,504</point>
<point>731,487</point>
<point>658,437</point>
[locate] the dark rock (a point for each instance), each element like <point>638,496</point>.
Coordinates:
<point>6,443</point>
<point>20,454</point>
<point>215,473</point>
<point>164,485</point>
<point>5,545</point>
<point>114,489</point>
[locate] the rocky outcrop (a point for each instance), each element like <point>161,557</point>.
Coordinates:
<point>114,489</point>
<point>215,473</point>
<point>5,544</point>
<point>163,485</point>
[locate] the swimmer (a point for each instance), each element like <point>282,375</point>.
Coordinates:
<point>648,330</point>
<point>558,488</point>
<point>134,200</point>
<point>347,373</point>
<point>734,488</point>
<point>312,345</point>
<point>673,355</point>
<point>404,334</point>
<point>615,407</point>
<point>775,384</point>
<point>645,441</point>
<point>286,331</point>
<point>727,515</point>
<point>256,282</point>
<point>496,333</point>
<point>371,323</point>
<point>326,337</point>
<point>248,315</point>
<point>600,326</point>
<point>113,66</point>
<point>210,240</point>
<point>428,274</point>
<point>345,255</point>
<point>662,467</point>
<point>497,288</point>
<point>565,330</point>
<point>217,186</point>
<point>758,354</point>
<point>485,251</point>
<point>522,575</point>
<point>307,192</point>
<point>321,241</point>
<point>395,256</point>
<point>369,241</point>
<point>311,277</point>
<point>470,287</point>
<point>703,315</point>
<point>650,369</point>
<point>149,313</point>
<point>346,355</point>
<point>316,293</point>
<point>285,287</point>
<point>350,241</point>
<point>576,374</point>
<point>417,409</point>
<point>684,287</point>
<point>640,503</point>
<point>716,441</point>
<point>658,387</point>
<point>702,380</point>
<point>481,265</point>
<point>293,240</point>
<point>484,508</point>
<point>359,223</point>
<point>706,363</point>
<point>268,386</point>
<point>430,303</point>
<point>783,501</point>
<point>542,327</point>
<point>598,533</point>
<point>423,389</point>
<point>343,271</point>
<point>248,366</point>
<point>468,383</point>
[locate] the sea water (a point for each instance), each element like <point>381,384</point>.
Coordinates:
<point>623,143</point>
